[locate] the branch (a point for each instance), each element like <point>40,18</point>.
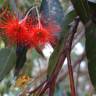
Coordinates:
<point>78,61</point>
<point>69,45</point>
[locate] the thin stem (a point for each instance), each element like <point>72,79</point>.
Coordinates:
<point>52,88</point>
<point>39,23</point>
<point>77,83</point>
<point>68,46</point>
<point>44,89</point>
<point>71,78</point>
<point>78,61</point>
<point>39,87</point>
<point>27,14</point>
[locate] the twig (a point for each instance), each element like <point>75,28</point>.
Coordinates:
<point>78,74</point>
<point>70,69</point>
<point>40,86</point>
<point>52,88</point>
<point>71,78</point>
<point>78,61</point>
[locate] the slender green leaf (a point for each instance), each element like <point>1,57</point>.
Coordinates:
<point>1,3</point>
<point>91,52</point>
<point>94,1</point>
<point>7,61</point>
<point>92,9</point>
<point>55,55</point>
<point>47,9</point>
<point>82,9</point>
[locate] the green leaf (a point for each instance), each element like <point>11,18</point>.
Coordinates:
<point>35,54</point>
<point>94,1</point>
<point>1,3</point>
<point>7,61</point>
<point>92,9</point>
<point>91,52</point>
<point>82,9</point>
<point>92,6</point>
<point>20,59</point>
<point>55,55</point>
<point>47,9</point>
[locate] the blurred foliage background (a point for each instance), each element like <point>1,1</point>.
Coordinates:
<point>35,69</point>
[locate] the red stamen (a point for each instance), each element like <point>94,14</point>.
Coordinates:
<point>40,36</point>
<point>23,32</point>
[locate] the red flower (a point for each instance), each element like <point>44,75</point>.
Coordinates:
<point>41,32</point>
<point>40,36</point>
<point>24,33</point>
<point>15,31</point>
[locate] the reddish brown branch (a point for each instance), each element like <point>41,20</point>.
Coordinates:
<point>78,61</point>
<point>66,52</point>
<point>69,45</point>
<point>71,78</point>
<point>52,88</point>
<point>39,87</point>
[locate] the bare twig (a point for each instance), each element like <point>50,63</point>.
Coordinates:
<point>52,88</point>
<point>70,69</point>
<point>78,61</point>
<point>77,83</point>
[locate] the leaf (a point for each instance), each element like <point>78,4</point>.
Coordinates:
<point>90,52</point>
<point>35,54</point>
<point>55,55</point>
<point>82,9</point>
<point>92,9</point>
<point>52,9</point>
<point>7,61</point>
<point>21,58</point>
<point>93,1</point>
<point>92,6</point>
<point>90,44</point>
<point>1,3</point>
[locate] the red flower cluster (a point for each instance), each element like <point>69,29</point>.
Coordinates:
<point>20,33</point>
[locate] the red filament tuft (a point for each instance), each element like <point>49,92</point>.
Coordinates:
<point>16,33</point>
<point>40,36</point>
<point>24,33</point>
